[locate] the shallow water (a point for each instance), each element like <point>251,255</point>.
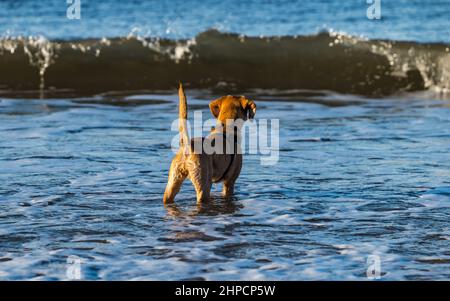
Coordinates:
<point>355,178</point>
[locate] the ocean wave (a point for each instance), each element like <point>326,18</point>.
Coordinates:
<point>225,61</point>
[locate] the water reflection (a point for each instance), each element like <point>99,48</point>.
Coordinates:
<point>215,206</point>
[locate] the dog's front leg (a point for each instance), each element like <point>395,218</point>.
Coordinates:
<point>230,180</point>
<point>228,188</point>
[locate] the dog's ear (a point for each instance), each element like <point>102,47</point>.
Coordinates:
<point>249,107</point>
<point>214,106</point>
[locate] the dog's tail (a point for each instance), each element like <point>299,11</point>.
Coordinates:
<point>182,120</point>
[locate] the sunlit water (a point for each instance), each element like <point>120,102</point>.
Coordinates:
<point>84,178</point>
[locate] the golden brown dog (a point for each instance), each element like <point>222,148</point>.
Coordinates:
<point>204,168</point>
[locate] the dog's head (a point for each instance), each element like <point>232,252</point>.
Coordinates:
<point>232,107</point>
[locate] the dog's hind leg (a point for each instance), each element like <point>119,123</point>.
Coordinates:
<point>200,174</point>
<point>176,178</point>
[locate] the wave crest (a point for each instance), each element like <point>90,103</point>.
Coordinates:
<point>326,61</point>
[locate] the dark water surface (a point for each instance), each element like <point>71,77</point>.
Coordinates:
<point>355,177</point>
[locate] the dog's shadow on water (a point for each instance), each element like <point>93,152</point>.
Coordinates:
<point>215,206</point>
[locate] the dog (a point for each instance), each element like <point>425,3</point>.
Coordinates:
<point>205,168</point>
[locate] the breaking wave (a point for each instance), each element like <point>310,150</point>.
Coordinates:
<point>325,61</point>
